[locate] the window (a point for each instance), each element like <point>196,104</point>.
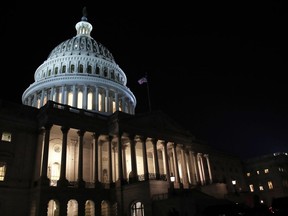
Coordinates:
<point>270,185</point>
<point>72,68</point>
<point>137,209</point>
<point>89,69</point>
<point>2,170</point>
<point>251,188</point>
<point>258,172</point>
<point>266,170</point>
<point>261,188</point>
<point>56,71</point>
<point>248,174</point>
<point>6,136</point>
<point>63,68</point>
<point>81,69</point>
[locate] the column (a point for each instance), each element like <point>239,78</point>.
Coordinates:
<point>84,97</point>
<point>184,168</point>
<point>200,166</point>
<point>75,96</point>
<point>177,175</point>
<point>100,160</point>
<point>195,167</point>
<point>62,182</point>
<point>166,160</point>
<point>96,177</point>
<point>62,95</point>
<point>42,98</point>
<point>209,168</point>
<point>28,101</point>
<point>96,97</point>
<point>110,159</point>
<point>156,161</point>
<point>133,177</point>
<point>80,181</point>
<point>106,98</point>
<point>114,161</point>
<point>35,100</point>
<point>123,104</point>
<point>120,161</point>
<point>44,178</point>
<point>124,147</point>
<point>52,94</point>
<point>189,163</point>
<point>145,162</point>
<point>116,101</point>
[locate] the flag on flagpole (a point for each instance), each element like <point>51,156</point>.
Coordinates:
<point>145,80</point>
<point>142,80</point>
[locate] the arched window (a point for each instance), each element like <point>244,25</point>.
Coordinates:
<point>2,170</point>
<point>53,208</point>
<point>137,209</point>
<point>97,69</point>
<point>105,72</point>
<point>89,208</point>
<point>72,68</point>
<point>104,208</point>
<point>81,69</point>
<point>63,68</point>
<point>72,208</point>
<point>89,69</point>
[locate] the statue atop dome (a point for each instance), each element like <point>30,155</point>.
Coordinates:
<point>85,14</point>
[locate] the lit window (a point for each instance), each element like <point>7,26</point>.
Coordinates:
<point>2,171</point>
<point>80,100</point>
<point>270,185</point>
<point>137,209</point>
<point>90,101</point>
<point>248,174</point>
<point>261,188</point>
<point>6,137</point>
<point>266,170</point>
<point>251,188</point>
<point>70,99</point>
<point>258,172</point>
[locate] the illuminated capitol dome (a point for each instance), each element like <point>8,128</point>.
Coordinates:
<point>82,73</point>
<point>75,146</point>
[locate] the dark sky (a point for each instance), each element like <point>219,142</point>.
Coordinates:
<point>218,69</point>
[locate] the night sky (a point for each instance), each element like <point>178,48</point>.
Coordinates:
<point>218,69</point>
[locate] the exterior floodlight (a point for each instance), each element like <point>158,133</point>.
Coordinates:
<point>172,178</point>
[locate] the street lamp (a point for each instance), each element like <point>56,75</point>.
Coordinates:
<point>234,182</point>
<point>172,180</point>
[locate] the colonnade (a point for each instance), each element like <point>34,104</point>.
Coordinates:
<point>99,158</point>
<point>100,99</point>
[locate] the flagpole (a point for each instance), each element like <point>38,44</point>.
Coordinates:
<point>148,94</point>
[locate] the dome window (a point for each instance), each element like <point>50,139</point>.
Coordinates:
<point>89,69</point>
<point>80,68</point>
<point>64,69</point>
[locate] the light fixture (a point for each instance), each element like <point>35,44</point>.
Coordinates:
<point>234,182</point>
<point>172,178</point>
